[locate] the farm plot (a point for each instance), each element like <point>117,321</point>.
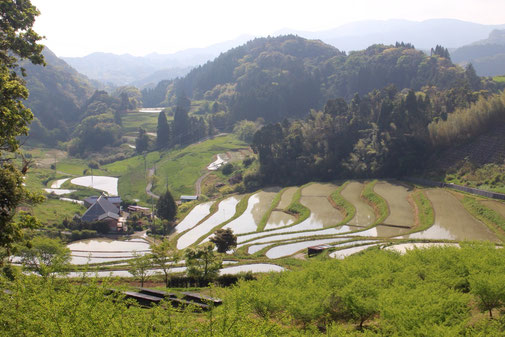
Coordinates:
<point>452,221</point>
<point>199,212</point>
<point>279,219</point>
<point>102,183</point>
<point>322,213</point>
<point>249,220</point>
<point>343,253</point>
<point>400,210</point>
<point>291,248</point>
<point>497,206</point>
<point>225,211</point>
<point>105,250</point>
<point>402,248</point>
<point>286,197</point>
<point>365,215</point>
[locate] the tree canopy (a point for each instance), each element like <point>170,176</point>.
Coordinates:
<point>17,41</point>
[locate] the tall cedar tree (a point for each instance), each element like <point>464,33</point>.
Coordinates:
<point>163,131</point>
<point>17,41</point>
<point>166,208</point>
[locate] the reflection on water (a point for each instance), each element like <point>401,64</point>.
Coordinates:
<point>365,215</point>
<point>225,211</point>
<point>452,221</point>
<point>197,214</point>
<point>256,207</point>
<point>291,248</point>
<point>100,250</point>
<point>343,253</point>
<point>279,219</point>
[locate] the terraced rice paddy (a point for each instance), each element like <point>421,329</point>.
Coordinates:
<point>249,220</point>
<point>106,250</point>
<point>496,206</point>
<point>283,237</point>
<point>365,215</point>
<point>195,216</point>
<point>102,183</point>
<point>286,197</point>
<point>279,219</point>
<point>452,221</point>
<point>400,210</point>
<point>225,211</point>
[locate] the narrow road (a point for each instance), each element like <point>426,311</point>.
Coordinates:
<point>150,174</point>
<point>198,184</point>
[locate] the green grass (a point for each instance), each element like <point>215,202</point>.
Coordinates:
<point>342,204</point>
<point>53,211</point>
<point>295,207</point>
<point>266,215</point>
<point>76,167</point>
<point>491,218</point>
<point>133,120</point>
<point>179,169</point>
<point>425,209</point>
<point>378,203</point>
<point>499,79</point>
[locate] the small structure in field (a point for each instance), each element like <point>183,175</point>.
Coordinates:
<point>187,198</point>
<point>139,209</point>
<point>315,250</point>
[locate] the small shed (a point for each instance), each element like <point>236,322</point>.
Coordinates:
<point>139,209</point>
<point>186,198</point>
<point>315,250</point>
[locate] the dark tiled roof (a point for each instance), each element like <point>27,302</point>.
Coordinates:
<point>114,200</point>
<point>108,215</point>
<point>100,207</point>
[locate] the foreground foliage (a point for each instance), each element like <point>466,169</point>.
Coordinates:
<point>426,292</point>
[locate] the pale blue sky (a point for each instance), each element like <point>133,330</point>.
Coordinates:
<point>80,27</point>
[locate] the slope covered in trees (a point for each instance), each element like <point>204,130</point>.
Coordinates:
<point>57,95</point>
<point>286,76</point>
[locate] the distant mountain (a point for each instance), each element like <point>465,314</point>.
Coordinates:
<point>57,91</point>
<point>487,56</point>
<point>133,70</point>
<point>449,33</point>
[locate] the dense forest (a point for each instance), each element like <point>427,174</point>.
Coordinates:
<point>286,76</point>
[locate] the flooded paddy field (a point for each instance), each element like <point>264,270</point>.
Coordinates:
<point>199,212</point>
<point>343,253</point>
<point>226,210</point>
<point>292,248</point>
<point>102,183</point>
<point>452,221</point>
<point>257,204</point>
<point>322,213</point>
<point>279,219</point>
<point>396,195</point>
<point>365,215</point>
<point>286,197</point>
<point>101,250</point>
<point>402,248</point>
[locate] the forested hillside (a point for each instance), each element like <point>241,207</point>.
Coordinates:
<point>57,95</point>
<point>286,76</point>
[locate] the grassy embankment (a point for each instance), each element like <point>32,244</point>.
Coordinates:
<point>273,206</point>
<point>492,219</point>
<point>424,209</point>
<point>378,203</point>
<point>342,204</point>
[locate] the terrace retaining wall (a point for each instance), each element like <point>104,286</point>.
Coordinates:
<point>466,189</point>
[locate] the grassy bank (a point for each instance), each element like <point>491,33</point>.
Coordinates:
<point>378,203</point>
<point>342,204</point>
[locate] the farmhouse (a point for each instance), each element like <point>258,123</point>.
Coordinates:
<point>104,210</point>
<point>116,201</point>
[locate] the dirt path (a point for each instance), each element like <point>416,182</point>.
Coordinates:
<point>150,174</point>
<point>198,184</point>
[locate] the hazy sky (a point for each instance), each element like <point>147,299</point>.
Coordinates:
<point>140,27</point>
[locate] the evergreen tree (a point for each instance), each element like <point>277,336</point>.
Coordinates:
<point>142,141</point>
<point>181,125</point>
<point>166,208</point>
<point>162,131</point>
<point>224,239</point>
